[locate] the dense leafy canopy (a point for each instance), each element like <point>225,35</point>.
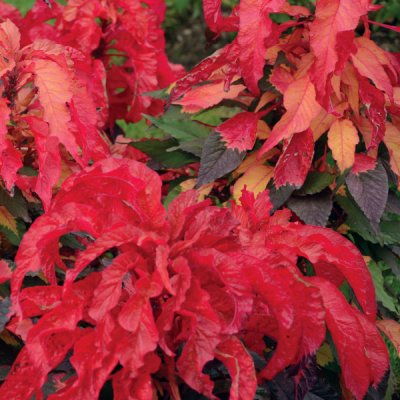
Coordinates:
<point>226,232</point>
<point>145,282</point>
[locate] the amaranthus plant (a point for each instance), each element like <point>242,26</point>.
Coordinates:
<point>256,255</point>
<point>146,298</point>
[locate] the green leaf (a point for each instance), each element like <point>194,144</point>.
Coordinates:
<point>389,231</point>
<point>392,387</point>
<point>390,258</point>
<point>4,310</point>
<point>190,134</point>
<point>139,130</point>
<point>356,219</point>
<point>392,286</point>
<point>15,204</point>
<point>157,94</point>
<point>347,291</point>
<point>158,151</point>
<point>394,377</point>
<point>12,228</point>
<point>182,130</point>
<point>315,183</point>
<point>23,5</point>
<point>381,295</point>
<point>28,171</point>
<point>215,116</point>
<point>70,240</point>
<point>194,146</point>
<point>386,233</point>
<point>13,238</point>
<point>217,160</point>
<point>4,371</point>
<point>174,190</point>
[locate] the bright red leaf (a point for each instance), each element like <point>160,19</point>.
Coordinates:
<point>255,30</point>
<point>295,161</point>
<point>239,132</point>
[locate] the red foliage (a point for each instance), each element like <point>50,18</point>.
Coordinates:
<point>125,36</point>
<point>57,95</point>
<point>129,292</point>
<point>181,288</point>
<point>47,102</point>
<point>312,63</point>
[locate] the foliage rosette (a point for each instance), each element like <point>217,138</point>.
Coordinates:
<point>146,298</point>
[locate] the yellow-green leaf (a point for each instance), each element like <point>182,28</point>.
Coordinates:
<point>8,221</point>
<point>325,355</point>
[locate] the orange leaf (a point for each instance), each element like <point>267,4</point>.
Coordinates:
<point>392,141</point>
<point>266,98</point>
<point>335,81</point>
<point>301,108</point>
<point>255,179</point>
<point>263,130</point>
<point>10,40</point>
<point>321,123</point>
<point>207,96</point>
<point>55,92</point>
<point>203,191</point>
<point>342,140</point>
<point>281,78</point>
<point>369,60</point>
<point>396,95</point>
<point>250,161</point>
<point>392,330</point>
<point>349,78</point>
<point>332,19</point>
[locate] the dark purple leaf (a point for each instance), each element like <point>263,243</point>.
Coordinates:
<point>393,204</point>
<point>314,209</point>
<point>279,196</point>
<point>4,310</point>
<point>216,160</point>
<point>370,191</point>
